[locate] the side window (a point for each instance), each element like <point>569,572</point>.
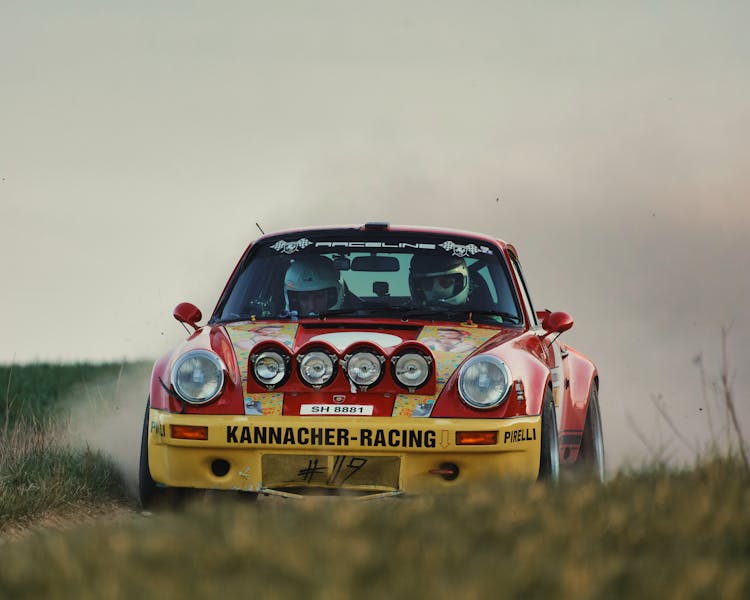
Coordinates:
<point>481,271</point>
<point>493,287</point>
<point>524,291</point>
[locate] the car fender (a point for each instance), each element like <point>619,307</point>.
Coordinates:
<point>531,372</point>
<point>208,338</point>
<point>160,379</point>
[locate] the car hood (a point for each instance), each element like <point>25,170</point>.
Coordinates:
<point>450,344</point>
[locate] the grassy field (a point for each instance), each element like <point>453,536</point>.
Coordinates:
<point>45,472</point>
<point>45,390</point>
<point>654,533</point>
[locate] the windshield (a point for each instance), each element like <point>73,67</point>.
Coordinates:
<point>371,274</point>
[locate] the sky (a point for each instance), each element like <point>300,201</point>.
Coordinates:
<point>141,142</point>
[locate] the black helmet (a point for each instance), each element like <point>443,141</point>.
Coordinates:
<point>434,278</point>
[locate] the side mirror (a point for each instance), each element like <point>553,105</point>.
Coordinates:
<point>557,322</point>
<point>543,314</point>
<point>185,312</point>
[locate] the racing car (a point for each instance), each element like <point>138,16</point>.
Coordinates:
<point>370,360</point>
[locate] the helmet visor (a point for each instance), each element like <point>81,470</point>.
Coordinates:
<point>439,286</point>
<point>312,302</point>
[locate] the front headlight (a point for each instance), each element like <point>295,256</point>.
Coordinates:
<point>316,368</point>
<point>270,368</point>
<point>484,382</point>
<point>364,368</point>
<point>411,369</point>
<point>198,376</point>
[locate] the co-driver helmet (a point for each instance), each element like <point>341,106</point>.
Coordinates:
<point>438,279</point>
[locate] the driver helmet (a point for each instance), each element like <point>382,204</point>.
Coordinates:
<point>438,279</point>
<point>311,285</point>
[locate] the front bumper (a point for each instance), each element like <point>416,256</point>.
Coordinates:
<point>365,455</point>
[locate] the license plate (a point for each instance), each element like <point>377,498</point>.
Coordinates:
<point>328,410</point>
<point>364,472</point>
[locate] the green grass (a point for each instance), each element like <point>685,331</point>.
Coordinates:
<point>651,532</point>
<point>41,389</point>
<point>683,534</point>
<point>42,474</point>
<point>43,470</point>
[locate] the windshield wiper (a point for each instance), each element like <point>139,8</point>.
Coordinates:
<point>341,311</point>
<point>506,316</point>
<point>368,309</point>
<point>336,312</point>
<point>440,312</point>
<point>405,312</point>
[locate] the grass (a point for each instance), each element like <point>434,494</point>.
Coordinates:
<point>42,390</point>
<point>43,472</point>
<point>659,533</point>
<point>653,531</point>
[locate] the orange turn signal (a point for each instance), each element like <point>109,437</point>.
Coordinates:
<point>189,432</point>
<point>476,438</point>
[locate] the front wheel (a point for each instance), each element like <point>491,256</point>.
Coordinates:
<point>151,495</point>
<point>591,454</point>
<point>549,459</point>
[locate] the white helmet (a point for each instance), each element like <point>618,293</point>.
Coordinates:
<point>438,279</point>
<point>308,275</point>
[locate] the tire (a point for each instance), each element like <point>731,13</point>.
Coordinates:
<point>549,458</point>
<point>150,495</point>
<point>590,461</point>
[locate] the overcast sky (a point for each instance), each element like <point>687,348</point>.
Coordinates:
<point>140,144</point>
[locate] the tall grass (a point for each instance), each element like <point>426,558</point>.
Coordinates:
<point>42,470</point>
<point>40,390</point>
<point>654,531</point>
<point>656,534</point>
<point>41,473</point>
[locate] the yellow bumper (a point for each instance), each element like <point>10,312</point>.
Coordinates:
<point>366,454</point>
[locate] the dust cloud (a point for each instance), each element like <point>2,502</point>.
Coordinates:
<point>107,415</point>
<point>608,143</point>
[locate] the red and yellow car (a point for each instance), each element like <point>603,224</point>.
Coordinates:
<point>374,360</point>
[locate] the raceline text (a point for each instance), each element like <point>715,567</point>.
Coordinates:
<point>330,436</point>
<point>359,244</point>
